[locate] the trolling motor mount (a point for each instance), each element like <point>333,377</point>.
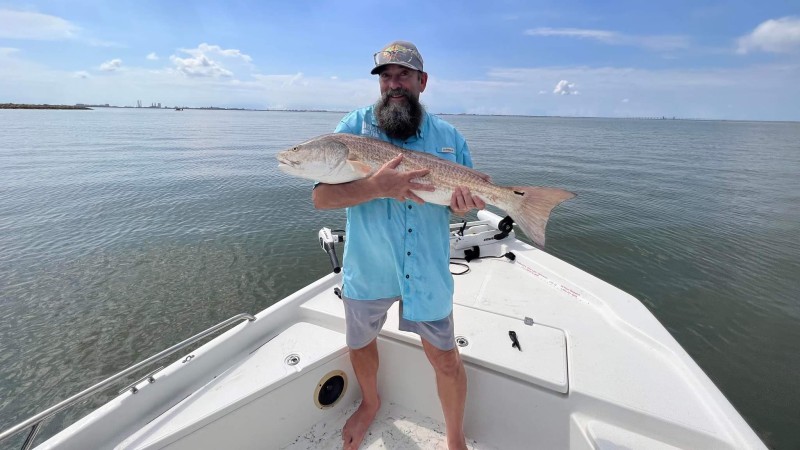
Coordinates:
<point>327,240</point>
<point>486,235</point>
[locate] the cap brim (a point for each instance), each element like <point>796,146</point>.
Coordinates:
<point>380,67</point>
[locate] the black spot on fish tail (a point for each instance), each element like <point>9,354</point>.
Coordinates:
<point>519,192</point>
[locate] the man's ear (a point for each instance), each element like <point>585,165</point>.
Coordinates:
<point>423,81</point>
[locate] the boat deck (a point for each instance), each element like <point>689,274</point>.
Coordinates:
<point>395,427</point>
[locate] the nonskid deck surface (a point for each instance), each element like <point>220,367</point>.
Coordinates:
<point>395,427</point>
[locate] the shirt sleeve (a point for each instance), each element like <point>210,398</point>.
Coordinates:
<point>463,156</point>
<point>348,124</point>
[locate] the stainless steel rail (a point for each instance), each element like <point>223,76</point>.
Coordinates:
<point>35,422</point>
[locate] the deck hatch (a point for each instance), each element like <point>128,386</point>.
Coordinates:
<point>541,361</point>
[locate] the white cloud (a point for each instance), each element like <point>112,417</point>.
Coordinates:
<point>152,56</point>
<point>600,35</point>
<point>111,66</point>
<point>660,43</point>
<point>564,87</point>
<point>774,35</point>
<point>200,64</point>
<point>81,74</point>
<point>7,51</point>
<point>34,26</point>
<point>297,78</point>
<point>625,100</point>
<point>205,49</point>
<point>303,92</point>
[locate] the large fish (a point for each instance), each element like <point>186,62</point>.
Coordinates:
<point>340,157</point>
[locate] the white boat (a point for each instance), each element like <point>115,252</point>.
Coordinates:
<point>595,370</point>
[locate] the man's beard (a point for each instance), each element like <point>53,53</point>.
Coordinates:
<point>400,120</point>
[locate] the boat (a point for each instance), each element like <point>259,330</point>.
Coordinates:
<point>588,367</point>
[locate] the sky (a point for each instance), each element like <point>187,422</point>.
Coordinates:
<point>732,60</point>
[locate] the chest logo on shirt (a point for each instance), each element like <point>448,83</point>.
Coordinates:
<point>447,150</point>
<point>368,129</point>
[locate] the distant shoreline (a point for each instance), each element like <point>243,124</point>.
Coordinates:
<point>217,108</point>
<point>83,106</point>
<point>29,106</point>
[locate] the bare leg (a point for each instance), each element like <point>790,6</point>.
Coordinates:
<point>365,365</point>
<point>451,383</point>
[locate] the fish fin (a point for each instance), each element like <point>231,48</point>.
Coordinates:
<point>359,167</point>
<point>534,209</point>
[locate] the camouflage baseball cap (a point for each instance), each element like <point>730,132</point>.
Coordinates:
<point>402,53</point>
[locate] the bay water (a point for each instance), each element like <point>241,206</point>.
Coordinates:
<point>125,231</point>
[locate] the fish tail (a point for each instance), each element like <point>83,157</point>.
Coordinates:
<point>533,211</point>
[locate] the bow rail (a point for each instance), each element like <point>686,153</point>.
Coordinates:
<point>36,421</point>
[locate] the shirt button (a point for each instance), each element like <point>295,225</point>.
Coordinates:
<point>407,276</point>
<point>409,230</point>
<point>409,206</point>
<point>408,253</point>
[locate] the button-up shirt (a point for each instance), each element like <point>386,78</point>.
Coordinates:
<point>402,249</point>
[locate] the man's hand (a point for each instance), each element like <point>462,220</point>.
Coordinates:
<point>462,201</point>
<point>392,183</point>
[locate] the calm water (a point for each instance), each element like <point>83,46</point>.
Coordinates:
<point>123,232</point>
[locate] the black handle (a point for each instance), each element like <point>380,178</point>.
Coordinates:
<point>331,251</point>
<point>504,226</point>
<point>514,340</point>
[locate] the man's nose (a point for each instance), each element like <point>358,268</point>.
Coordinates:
<point>394,83</point>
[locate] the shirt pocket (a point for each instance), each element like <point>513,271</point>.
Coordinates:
<point>448,153</point>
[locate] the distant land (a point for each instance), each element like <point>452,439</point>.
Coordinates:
<point>28,106</point>
<point>202,108</point>
<point>86,106</point>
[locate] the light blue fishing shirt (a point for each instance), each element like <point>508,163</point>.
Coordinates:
<point>402,249</point>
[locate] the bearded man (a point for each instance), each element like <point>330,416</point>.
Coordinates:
<point>397,246</point>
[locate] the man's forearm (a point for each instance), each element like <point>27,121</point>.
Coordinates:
<point>333,196</point>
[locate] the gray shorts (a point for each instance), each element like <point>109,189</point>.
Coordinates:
<point>365,318</point>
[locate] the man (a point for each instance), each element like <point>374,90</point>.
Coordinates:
<point>397,246</point>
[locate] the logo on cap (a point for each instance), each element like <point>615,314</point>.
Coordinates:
<point>398,52</point>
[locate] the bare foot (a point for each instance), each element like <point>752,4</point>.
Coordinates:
<point>456,443</point>
<point>357,425</point>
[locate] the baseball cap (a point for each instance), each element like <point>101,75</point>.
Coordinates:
<point>402,53</point>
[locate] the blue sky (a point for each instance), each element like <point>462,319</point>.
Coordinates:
<point>691,59</point>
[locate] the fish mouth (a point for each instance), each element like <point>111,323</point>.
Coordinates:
<point>284,161</point>
<point>287,168</point>
<point>286,165</point>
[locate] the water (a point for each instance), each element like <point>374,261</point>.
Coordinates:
<point>125,231</point>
